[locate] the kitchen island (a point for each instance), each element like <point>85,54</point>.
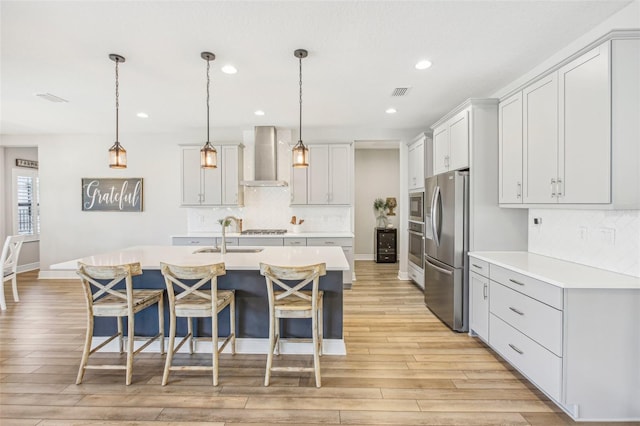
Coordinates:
<point>243,276</point>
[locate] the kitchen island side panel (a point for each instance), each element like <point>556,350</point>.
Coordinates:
<point>252,309</point>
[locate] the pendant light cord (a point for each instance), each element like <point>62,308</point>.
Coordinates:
<point>300,123</point>
<point>117,99</point>
<point>208,81</point>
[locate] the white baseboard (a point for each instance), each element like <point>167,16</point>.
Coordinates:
<point>366,256</point>
<point>57,275</point>
<point>28,267</point>
<point>243,346</point>
<point>403,276</point>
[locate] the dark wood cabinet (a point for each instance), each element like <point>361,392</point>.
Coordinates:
<point>386,245</point>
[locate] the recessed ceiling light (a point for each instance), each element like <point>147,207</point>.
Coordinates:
<point>229,69</point>
<point>391,111</point>
<point>423,65</point>
<point>142,115</point>
<point>259,112</point>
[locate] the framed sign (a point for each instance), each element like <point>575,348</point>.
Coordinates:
<point>112,194</point>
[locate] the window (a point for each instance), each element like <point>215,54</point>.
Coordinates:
<point>27,203</point>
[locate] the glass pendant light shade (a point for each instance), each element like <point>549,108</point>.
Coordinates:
<point>208,156</point>
<point>300,152</point>
<point>208,153</point>
<point>300,155</point>
<point>117,156</point>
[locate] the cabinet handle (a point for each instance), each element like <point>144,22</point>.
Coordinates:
<point>329,243</point>
<point>194,242</point>
<point>553,187</point>
<point>515,349</point>
<point>516,311</point>
<point>515,282</point>
<point>519,193</point>
<point>484,291</point>
<point>446,161</point>
<point>476,266</point>
<point>560,189</point>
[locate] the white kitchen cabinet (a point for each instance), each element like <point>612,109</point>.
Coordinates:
<point>328,174</point>
<point>211,187</point>
<point>540,127</point>
<point>416,163</point>
<point>298,185</point>
<point>202,241</point>
<point>347,248</point>
<point>451,144</point>
<point>579,132</point>
<point>510,149</point>
<point>479,299</point>
<point>569,328</point>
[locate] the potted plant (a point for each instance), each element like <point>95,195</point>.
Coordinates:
<point>380,206</point>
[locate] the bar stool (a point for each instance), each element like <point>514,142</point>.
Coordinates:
<point>192,302</point>
<point>9,262</point>
<point>291,302</point>
<point>108,302</point>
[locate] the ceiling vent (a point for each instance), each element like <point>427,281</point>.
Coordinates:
<point>51,98</point>
<point>401,91</point>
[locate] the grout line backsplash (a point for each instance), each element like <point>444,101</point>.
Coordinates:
<point>268,208</point>
<point>600,238</point>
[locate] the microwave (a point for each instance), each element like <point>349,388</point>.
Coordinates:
<point>416,205</point>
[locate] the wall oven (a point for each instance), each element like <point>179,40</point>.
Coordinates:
<point>416,206</point>
<point>416,243</point>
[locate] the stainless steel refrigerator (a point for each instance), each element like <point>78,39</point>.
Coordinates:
<point>446,266</point>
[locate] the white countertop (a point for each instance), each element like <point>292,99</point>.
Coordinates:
<point>558,272</point>
<point>151,256</point>
<point>287,235</point>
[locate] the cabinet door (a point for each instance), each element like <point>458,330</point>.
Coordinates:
<point>585,129</point>
<point>318,175</point>
<point>440,150</point>
<point>413,180</point>
<point>191,175</point>
<point>510,149</point>
<point>212,183</point>
<point>540,123</point>
<point>416,164</point>
<point>298,185</point>
<point>339,173</point>
<point>230,174</point>
<point>459,141</point>
<point>479,305</point>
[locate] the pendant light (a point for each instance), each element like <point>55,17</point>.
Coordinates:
<point>117,154</point>
<point>300,152</point>
<point>208,153</point>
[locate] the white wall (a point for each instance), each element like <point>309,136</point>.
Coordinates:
<point>377,175</point>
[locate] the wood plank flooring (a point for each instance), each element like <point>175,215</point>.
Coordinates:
<point>402,367</point>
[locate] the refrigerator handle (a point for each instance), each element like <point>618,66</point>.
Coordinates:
<point>437,268</point>
<point>434,220</point>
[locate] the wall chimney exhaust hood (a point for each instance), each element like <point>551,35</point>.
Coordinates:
<point>265,155</point>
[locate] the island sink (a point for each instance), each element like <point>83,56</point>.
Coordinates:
<point>229,250</point>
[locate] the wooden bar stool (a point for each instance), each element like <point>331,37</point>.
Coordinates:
<point>290,301</point>
<point>191,302</point>
<point>108,302</point>
<point>9,262</point>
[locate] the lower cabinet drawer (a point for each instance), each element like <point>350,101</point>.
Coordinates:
<point>193,241</point>
<point>539,290</point>
<point>295,241</point>
<point>540,322</point>
<point>534,361</point>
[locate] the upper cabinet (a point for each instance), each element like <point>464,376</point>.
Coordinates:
<point>327,180</point>
<point>569,137</point>
<point>417,163</point>
<point>212,187</point>
<point>451,143</point>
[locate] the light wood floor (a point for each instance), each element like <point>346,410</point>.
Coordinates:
<point>403,367</point>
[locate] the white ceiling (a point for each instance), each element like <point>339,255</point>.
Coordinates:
<point>359,51</point>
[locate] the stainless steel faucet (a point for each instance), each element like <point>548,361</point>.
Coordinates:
<point>238,221</point>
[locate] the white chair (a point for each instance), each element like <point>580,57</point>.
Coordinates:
<point>290,301</point>
<point>9,260</point>
<point>106,301</point>
<point>193,302</point>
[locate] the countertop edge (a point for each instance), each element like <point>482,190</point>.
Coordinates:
<point>560,273</point>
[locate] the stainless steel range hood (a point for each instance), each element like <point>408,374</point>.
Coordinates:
<point>265,157</point>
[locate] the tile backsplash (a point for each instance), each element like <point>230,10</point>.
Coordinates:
<point>599,238</point>
<point>268,207</point>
